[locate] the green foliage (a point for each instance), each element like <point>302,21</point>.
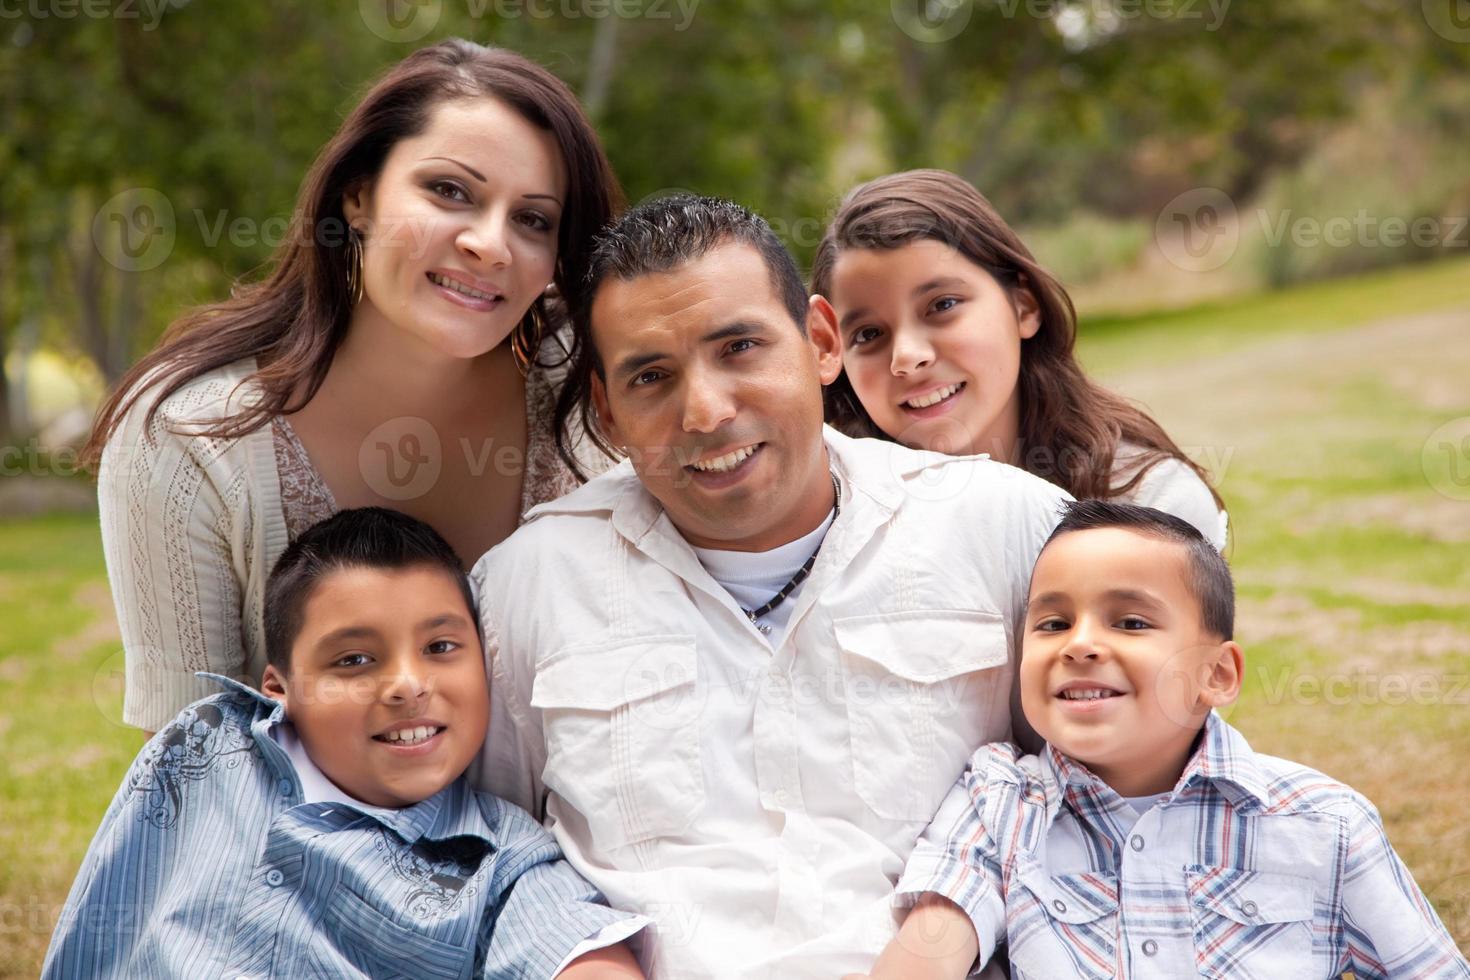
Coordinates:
<point>1053,107</point>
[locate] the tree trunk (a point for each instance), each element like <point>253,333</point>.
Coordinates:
<point>600,66</point>
<point>7,265</point>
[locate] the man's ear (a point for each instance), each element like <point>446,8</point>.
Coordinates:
<point>1223,676</point>
<point>605,420</point>
<point>273,684</point>
<point>1028,309</point>
<point>826,341</point>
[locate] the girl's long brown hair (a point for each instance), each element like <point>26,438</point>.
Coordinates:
<point>293,321</point>
<point>1070,425</point>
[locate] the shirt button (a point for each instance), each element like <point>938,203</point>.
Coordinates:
<point>781,797</point>
<point>285,787</point>
<point>273,877</point>
<point>1249,908</point>
<point>1136,843</point>
<point>1150,947</point>
<point>1059,905</point>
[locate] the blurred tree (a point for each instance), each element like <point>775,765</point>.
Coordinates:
<point>201,125</point>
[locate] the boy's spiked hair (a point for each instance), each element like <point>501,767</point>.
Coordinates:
<point>363,537</point>
<point>1209,575</point>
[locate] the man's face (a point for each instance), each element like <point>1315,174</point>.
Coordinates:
<point>387,689</point>
<point>1117,671</point>
<point>717,396</point>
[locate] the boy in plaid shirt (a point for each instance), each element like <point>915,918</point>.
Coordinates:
<point>1147,839</point>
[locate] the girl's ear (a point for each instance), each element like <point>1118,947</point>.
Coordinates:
<point>1028,309</point>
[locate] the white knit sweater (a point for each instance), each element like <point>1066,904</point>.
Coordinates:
<point>190,528</point>
<point>192,525</point>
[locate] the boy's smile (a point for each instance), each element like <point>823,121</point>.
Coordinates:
<point>1117,671</point>
<point>387,689</point>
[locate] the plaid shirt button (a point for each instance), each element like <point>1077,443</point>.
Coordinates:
<point>1150,947</point>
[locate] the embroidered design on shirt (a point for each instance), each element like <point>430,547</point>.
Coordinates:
<point>187,751</point>
<point>439,872</point>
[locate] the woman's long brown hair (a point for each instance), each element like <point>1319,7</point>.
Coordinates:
<point>1071,426</point>
<point>293,321</point>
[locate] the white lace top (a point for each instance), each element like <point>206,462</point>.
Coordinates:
<point>191,526</point>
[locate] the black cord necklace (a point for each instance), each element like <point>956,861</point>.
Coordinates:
<point>801,573</point>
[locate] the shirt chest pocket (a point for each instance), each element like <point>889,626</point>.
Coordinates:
<point>1062,925</point>
<point>1250,924</point>
<point>622,729</point>
<point>923,689</point>
<point>366,941</point>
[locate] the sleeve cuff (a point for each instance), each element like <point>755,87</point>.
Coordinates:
<point>154,696</point>
<point>925,877</point>
<point>608,935</point>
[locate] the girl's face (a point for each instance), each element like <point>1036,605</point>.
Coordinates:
<point>932,346</point>
<point>460,228</point>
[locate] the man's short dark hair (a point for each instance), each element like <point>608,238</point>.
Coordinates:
<point>662,234</point>
<point>363,537</point>
<point>1209,576</point>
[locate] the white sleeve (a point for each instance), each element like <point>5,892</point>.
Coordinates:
<point>172,508</point>
<point>1174,488</point>
<point>609,935</point>
<point>514,756</point>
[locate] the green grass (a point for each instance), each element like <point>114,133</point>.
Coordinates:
<point>1350,565</point>
<point>65,748</point>
<point>1111,343</point>
<point>1350,569</point>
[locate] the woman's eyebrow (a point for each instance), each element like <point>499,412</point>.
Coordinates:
<point>464,166</point>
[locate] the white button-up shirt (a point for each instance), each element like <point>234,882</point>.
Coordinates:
<point>758,802</point>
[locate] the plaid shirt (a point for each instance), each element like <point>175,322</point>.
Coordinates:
<point>1251,867</point>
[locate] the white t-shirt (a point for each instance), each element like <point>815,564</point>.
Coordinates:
<point>1174,488</point>
<point>754,577</point>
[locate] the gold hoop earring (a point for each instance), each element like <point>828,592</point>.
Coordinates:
<point>522,348</point>
<point>354,267</point>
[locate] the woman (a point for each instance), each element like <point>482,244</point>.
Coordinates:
<point>401,353</point>
<point>955,339</point>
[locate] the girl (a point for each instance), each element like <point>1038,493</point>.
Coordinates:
<point>956,340</point>
<point>401,354</point>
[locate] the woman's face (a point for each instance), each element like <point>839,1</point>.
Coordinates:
<point>459,228</point>
<point>932,346</point>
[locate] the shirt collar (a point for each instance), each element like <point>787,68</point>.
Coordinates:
<point>454,811</point>
<point>1222,757</point>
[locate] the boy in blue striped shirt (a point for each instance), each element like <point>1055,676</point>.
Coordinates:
<point>324,828</point>
<point>1148,840</point>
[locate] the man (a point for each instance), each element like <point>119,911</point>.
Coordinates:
<point>738,672</point>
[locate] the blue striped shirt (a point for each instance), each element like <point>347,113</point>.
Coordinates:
<point>1251,867</point>
<point>209,864</point>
